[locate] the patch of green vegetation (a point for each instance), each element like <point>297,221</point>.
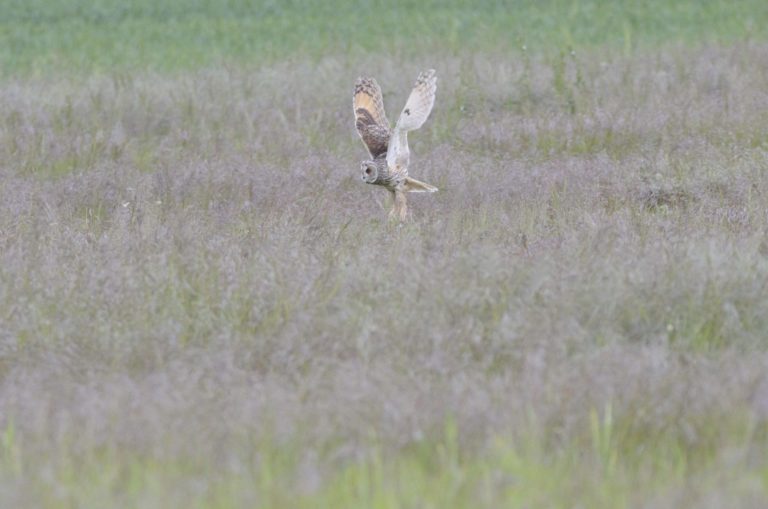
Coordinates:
<point>42,36</point>
<point>611,464</point>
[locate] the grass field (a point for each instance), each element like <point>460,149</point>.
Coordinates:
<point>202,306</point>
<point>46,38</point>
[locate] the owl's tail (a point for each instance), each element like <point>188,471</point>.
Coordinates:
<point>416,186</point>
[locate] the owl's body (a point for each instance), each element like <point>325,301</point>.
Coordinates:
<point>389,147</point>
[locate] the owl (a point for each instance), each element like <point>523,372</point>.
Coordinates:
<point>389,147</point>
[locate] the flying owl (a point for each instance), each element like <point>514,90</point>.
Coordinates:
<point>389,147</point>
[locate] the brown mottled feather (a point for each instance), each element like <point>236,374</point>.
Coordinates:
<point>370,119</point>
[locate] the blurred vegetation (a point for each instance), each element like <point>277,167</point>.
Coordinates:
<point>42,36</point>
<point>201,306</point>
<point>607,467</point>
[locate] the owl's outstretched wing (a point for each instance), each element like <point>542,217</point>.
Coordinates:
<point>370,119</point>
<point>413,116</point>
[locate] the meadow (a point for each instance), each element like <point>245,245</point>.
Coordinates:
<point>202,306</point>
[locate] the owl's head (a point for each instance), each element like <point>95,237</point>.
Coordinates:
<point>370,172</point>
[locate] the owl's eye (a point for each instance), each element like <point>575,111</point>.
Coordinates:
<point>368,171</point>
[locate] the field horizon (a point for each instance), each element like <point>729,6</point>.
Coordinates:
<point>201,305</point>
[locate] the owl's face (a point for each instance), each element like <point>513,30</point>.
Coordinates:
<point>369,172</point>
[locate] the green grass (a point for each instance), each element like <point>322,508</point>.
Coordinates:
<point>202,306</point>
<point>75,36</point>
<point>610,464</point>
